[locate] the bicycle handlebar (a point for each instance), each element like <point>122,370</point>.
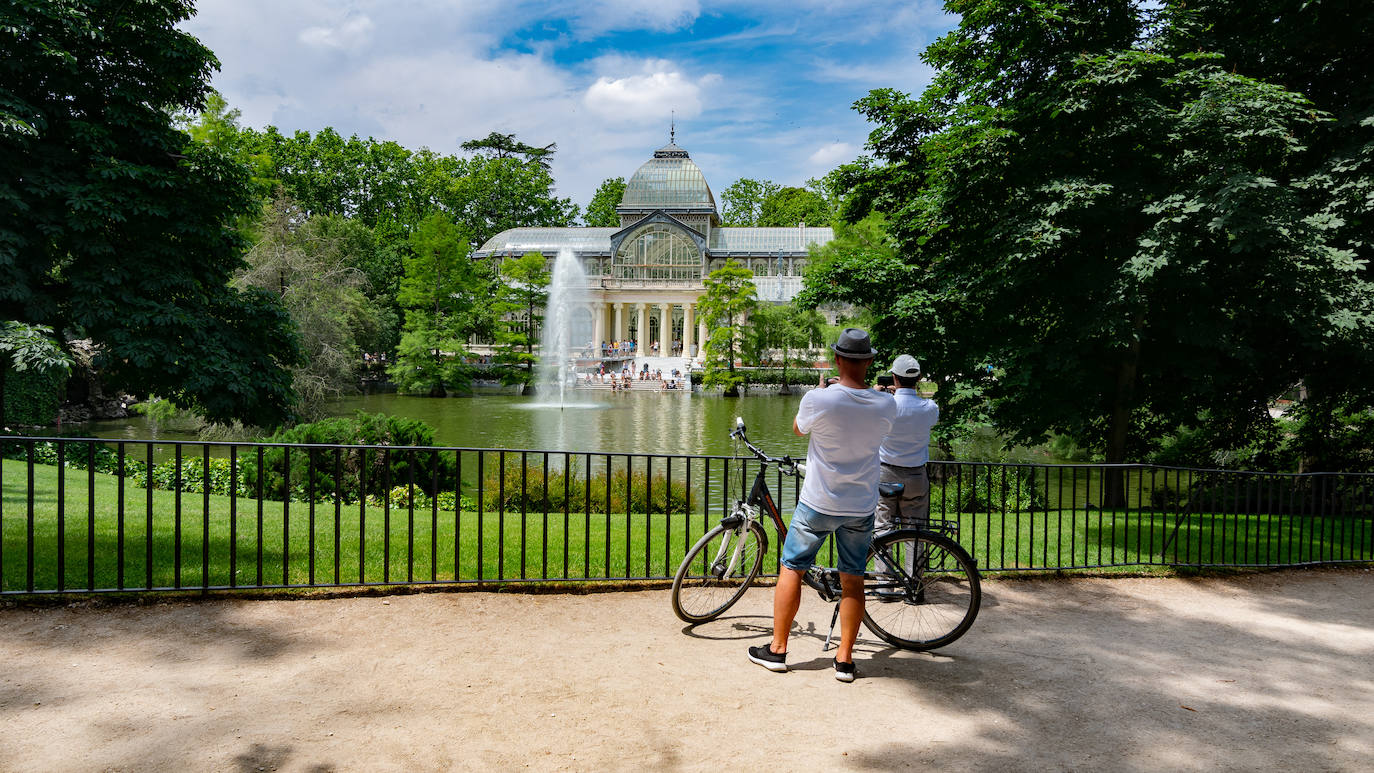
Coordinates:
<point>786,464</point>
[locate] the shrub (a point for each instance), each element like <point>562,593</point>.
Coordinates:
<point>981,489</point>
<point>360,472</point>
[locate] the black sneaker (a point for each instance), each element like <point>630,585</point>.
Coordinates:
<point>766,657</point>
<point>844,671</point>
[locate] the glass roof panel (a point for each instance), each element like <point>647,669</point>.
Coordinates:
<point>767,240</point>
<point>551,239</point>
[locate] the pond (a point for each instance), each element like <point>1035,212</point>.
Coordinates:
<point>597,422</point>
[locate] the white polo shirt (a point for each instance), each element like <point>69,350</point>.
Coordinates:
<point>846,426</point>
<point>908,444</point>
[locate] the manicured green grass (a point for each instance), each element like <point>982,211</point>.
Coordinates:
<point>367,544</point>
<point>223,542</point>
<point>1129,539</point>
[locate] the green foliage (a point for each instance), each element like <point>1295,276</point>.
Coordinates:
<point>782,335</point>
<point>304,262</point>
<point>446,298</point>
<point>390,189</point>
<point>601,210</point>
<point>501,145</point>
<point>742,202</point>
<point>521,297</point>
<point>728,299</point>
<point>31,397</point>
<point>360,472</point>
<point>1123,224</point>
<point>157,411</point>
<point>76,456</point>
<point>980,489</point>
<point>789,207</point>
<point>32,376</point>
<point>115,225</point>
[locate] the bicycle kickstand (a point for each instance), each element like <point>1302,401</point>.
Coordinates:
<point>831,634</point>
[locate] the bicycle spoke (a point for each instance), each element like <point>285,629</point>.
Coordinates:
<point>922,592</point>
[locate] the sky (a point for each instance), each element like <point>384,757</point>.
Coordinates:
<point>757,88</point>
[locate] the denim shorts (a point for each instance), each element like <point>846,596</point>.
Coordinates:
<point>808,530</point>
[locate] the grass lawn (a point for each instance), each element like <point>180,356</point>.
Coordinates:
<point>122,538</point>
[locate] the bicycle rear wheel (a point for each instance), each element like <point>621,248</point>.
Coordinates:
<point>715,574</point>
<point>921,590</point>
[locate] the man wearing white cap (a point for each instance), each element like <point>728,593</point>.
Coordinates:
<point>906,449</point>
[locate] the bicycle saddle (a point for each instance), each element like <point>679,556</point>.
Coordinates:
<point>887,490</point>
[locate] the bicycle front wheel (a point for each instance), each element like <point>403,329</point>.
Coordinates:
<point>718,570</point>
<point>921,590</point>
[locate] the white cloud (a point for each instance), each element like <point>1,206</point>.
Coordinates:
<point>351,35</point>
<point>591,19</point>
<point>833,154</point>
<point>651,95</point>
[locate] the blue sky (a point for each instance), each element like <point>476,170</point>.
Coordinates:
<point>760,88</point>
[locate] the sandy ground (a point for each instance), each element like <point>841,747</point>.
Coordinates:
<point>1260,672</point>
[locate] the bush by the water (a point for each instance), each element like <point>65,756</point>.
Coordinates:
<point>353,473</point>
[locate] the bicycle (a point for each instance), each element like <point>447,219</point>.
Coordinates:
<point>922,590</point>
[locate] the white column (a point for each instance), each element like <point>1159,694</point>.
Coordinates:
<point>701,333</point>
<point>598,326</point>
<point>665,329</point>
<point>620,322</point>
<point>642,334</point>
<point>688,320</point>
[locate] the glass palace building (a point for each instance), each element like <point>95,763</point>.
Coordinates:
<point>644,279</point>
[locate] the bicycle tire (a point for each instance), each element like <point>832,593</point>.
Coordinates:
<point>700,598</point>
<point>937,605</point>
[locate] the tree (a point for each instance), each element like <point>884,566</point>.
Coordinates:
<point>114,225</point>
<point>728,299</point>
<point>444,295</point>
<point>29,348</point>
<point>486,196</point>
<point>742,202</point>
<point>303,262</point>
<point>500,145</point>
<point>601,211</point>
<point>1106,223</point>
<point>785,330</point>
<point>790,207</point>
<point>523,294</point>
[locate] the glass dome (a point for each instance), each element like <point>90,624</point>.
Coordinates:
<point>669,180</point>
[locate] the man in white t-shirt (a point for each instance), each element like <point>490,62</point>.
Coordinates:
<point>845,421</point>
<point>906,450</point>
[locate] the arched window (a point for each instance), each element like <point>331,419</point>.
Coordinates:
<point>659,252</point>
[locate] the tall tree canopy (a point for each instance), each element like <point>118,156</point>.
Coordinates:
<point>1119,225</point>
<point>730,296</point>
<point>790,207</point>
<point>601,210</point>
<point>446,298</point>
<point>742,201</point>
<point>114,225</point>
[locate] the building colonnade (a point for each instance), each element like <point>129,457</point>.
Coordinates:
<point>649,322</point>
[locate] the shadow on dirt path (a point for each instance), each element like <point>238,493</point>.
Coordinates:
<point>1265,671</point>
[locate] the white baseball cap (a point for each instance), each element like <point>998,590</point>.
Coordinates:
<point>906,366</point>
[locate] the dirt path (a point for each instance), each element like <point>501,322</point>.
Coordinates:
<point>1260,672</point>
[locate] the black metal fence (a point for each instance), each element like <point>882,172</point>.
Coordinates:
<point>94,515</point>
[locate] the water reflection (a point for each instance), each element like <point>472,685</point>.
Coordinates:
<point>612,422</point>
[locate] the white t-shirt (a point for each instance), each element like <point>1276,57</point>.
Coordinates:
<point>908,444</point>
<point>846,426</point>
